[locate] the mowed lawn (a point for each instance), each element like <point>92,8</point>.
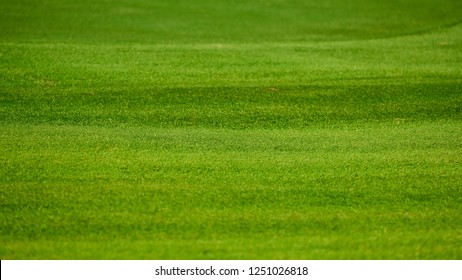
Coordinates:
<point>137,129</point>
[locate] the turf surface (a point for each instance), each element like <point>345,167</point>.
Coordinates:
<point>230,129</point>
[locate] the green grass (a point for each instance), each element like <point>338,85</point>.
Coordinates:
<point>230,129</point>
<point>207,21</point>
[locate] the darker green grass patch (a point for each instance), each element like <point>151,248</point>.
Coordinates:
<point>239,107</point>
<point>220,21</point>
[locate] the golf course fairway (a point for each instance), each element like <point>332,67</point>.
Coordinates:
<point>245,129</point>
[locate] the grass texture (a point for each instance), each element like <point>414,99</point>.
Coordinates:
<point>230,129</point>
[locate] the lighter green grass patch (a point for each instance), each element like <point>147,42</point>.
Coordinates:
<point>349,192</point>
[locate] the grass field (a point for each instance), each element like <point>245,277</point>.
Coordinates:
<point>213,129</point>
